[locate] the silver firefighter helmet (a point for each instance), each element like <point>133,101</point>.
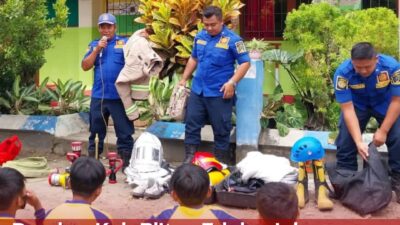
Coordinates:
<point>147,154</point>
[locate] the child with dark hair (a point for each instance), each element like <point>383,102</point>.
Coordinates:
<point>190,187</point>
<point>277,202</point>
<point>86,179</point>
<point>14,195</point>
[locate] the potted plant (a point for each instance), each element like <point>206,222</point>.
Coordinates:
<point>256,47</point>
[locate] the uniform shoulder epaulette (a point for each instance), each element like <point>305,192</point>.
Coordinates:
<point>387,61</point>
<point>201,33</point>
<point>346,68</point>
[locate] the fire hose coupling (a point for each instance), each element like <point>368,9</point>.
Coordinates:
<point>115,164</point>
<point>59,179</point>
<point>76,147</point>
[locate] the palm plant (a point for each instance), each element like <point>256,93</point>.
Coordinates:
<point>70,98</point>
<point>20,100</point>
<point>173,25</point>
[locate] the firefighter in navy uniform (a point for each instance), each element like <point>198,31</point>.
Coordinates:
<point>215,51</point>
<point>106,55</point>
<point>368,85</point>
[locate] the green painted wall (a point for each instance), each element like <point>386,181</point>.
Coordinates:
<point>64,59</point>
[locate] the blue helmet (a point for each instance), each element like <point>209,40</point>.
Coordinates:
<point>307,148</point>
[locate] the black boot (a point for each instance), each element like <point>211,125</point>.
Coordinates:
<point>222,156</point>
<point>189,153</point>
<point>126,158</point>
<point>91,153</point>
<point>396,185</point>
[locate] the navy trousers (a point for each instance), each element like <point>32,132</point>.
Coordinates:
<point>347,151</point>
<point>217,111</point>
<point>123,127</point>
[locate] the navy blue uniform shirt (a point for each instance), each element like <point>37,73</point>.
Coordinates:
<point>112,62</point>
<point>216,58</point>
<point>372,92</point>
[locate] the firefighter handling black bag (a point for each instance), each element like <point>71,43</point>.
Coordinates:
<point>365,191</point>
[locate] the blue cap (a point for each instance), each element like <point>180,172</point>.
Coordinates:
<point>107,18</point>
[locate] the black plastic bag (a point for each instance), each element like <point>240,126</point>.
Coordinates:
<point>365,191</point>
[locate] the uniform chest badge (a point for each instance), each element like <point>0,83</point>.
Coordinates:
<point>223,43</point>
<point>119,44</point>
<point>240,47</point>
<point>357,86</point>
<point>341,83</point>
<point>396,78</point>
<point>201,42</point>
<point>383,79</point>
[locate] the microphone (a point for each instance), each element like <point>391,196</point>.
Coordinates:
<point>104,38</point>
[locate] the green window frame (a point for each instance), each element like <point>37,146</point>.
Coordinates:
<point>73,9</point>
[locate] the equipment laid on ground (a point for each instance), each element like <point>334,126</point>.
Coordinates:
<point>76,147</point>
<point>30,166</point>
<point>9,149</point>
<point>207,161</point>
<point>148,174</point>
<point>115,164</point>
<point>214,168</point>
<point>240,187</point>
<point>306,149</point>
<point>233,191</point>
<point>59,179</point>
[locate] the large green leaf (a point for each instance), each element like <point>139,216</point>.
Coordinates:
<point>30,99</point>
<point>282,129</point>
<point>163,13</point>
<point>16,87</point>
<point>5,103</point>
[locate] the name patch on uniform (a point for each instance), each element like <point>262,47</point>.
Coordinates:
<point>396,78</point>
<point>223,43</point>
<point>383,79</point>
<point>357,86</point>
<point>201,42</point>
<point>341,83</point>
<point>119,44</point>
<point>240,47</point>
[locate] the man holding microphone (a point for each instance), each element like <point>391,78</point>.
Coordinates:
<point>107,58</point>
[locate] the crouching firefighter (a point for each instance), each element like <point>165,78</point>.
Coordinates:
<point>310,149</point>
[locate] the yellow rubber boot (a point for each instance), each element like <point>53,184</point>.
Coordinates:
<point>302,185</point>
<point>321,190</point>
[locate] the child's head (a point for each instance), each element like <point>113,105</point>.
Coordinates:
<point>12,190</point>
<point>87,176</point>
<point>277,200</point>
<point>190,185</point>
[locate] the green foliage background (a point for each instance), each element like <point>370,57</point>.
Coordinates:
<point>25,35</point>
<point>326,35</point>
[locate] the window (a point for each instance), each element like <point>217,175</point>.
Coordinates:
<point>73,15</point>
<point>266,18</point>
<point>125,12</point>
<point>391,4</point>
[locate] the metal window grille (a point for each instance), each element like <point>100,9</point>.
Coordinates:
<point>391,4</point>
<point>266,18</point>
<point>125,12</point>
